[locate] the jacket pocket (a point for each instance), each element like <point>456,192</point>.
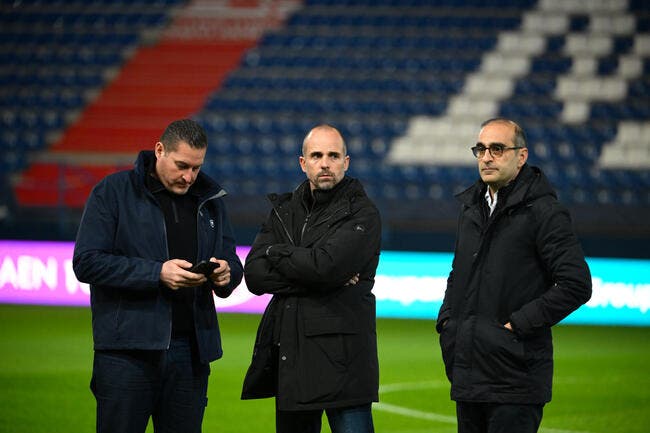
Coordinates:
<point>499,356</point>
<point>447,342</point>
<point>326,338</point>
<point>324,358</point>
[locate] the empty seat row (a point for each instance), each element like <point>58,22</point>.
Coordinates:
<point>551,64</point>
<point>91,21</point>
<point>524,108</point>
<point>400,19</point>
<point>341,61</point>
<point>443,43</point>
<point>637,108</point>
<point>53,76</point>
<point>33,117</point>
<point>514,4</point>
<point>325,107</point>
<point>79,39</point>
<point>13,160</point>
<point>443,84</point>
<point>62,57</point>
<point>535,87</point>
<point>21,142</point>
<point>86,4</point>
<point>289,130</point>
<point>556,132</point>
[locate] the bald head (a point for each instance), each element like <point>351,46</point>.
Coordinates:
<point>324,132</point>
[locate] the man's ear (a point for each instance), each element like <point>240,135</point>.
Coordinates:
<point>159,149</point>
<point>301,160</point>
<point>523,157</point>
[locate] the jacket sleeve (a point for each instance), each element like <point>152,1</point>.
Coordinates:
<point>260,275</point>
<point>562,256</point>
<point>95,260</point>
<point>445,309</point>
<point>228,253</point>
<point>332,262</point>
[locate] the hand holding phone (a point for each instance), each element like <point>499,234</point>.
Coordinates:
<point>204,267</point>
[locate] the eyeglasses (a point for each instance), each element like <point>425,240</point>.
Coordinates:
<point>495,149</point>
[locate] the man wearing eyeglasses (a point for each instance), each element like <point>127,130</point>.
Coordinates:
<point>518,269</point>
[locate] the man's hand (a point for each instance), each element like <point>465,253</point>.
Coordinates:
<point>508,326</point>
<point>175,275</point>
<point>221,275</point>
<point>354,280</point>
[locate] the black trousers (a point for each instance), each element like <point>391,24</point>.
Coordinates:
<point>498,418</point>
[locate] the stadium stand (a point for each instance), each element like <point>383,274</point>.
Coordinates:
<point>160,78</point>
<point>407,82</point>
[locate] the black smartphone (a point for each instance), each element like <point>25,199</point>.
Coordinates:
<point>204,267</point>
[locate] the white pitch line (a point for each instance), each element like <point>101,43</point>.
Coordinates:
<point>430,416</point>
<point>408,386</point>
<point>412,413</point>
<point>555,430</point>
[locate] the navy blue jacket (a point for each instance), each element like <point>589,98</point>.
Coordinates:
<point>120,248</point>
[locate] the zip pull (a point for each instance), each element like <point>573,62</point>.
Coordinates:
<point>304,226</point>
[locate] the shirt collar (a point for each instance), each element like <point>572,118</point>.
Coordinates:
<point>491,201</point>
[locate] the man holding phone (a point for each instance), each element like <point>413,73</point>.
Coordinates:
<point>155,328</point>
<point>204,267</point>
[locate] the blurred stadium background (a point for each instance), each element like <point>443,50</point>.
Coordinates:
<point>85,84</point>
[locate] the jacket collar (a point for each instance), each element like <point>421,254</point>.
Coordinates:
<point>320,198</point>
<point>530,183</point>
<point>348,187</point>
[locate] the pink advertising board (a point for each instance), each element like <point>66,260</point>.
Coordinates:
<point>41,273</point>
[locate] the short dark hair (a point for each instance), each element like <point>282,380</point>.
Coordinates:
<point>520,136</point>
<point>186,130</point>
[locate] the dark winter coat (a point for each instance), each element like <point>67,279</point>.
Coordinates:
<point>316,345</point>
<point>120,249</point>
<point>522,265</point>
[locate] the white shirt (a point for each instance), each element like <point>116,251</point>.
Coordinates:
<point>491,201</point>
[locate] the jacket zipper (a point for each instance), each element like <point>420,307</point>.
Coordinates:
<point>219,194</point>
<point>304,225</point>
<point>175,211</point>
<point>164,227</point>
<point>284,227</point>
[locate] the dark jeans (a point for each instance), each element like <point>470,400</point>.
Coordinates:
<point>132,385</point>
<point>356,419</point>
<point>498,418</point>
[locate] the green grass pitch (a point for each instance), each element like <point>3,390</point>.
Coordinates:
<point>602,377</point>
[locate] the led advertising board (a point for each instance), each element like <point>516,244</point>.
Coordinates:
<point>407,285</point>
